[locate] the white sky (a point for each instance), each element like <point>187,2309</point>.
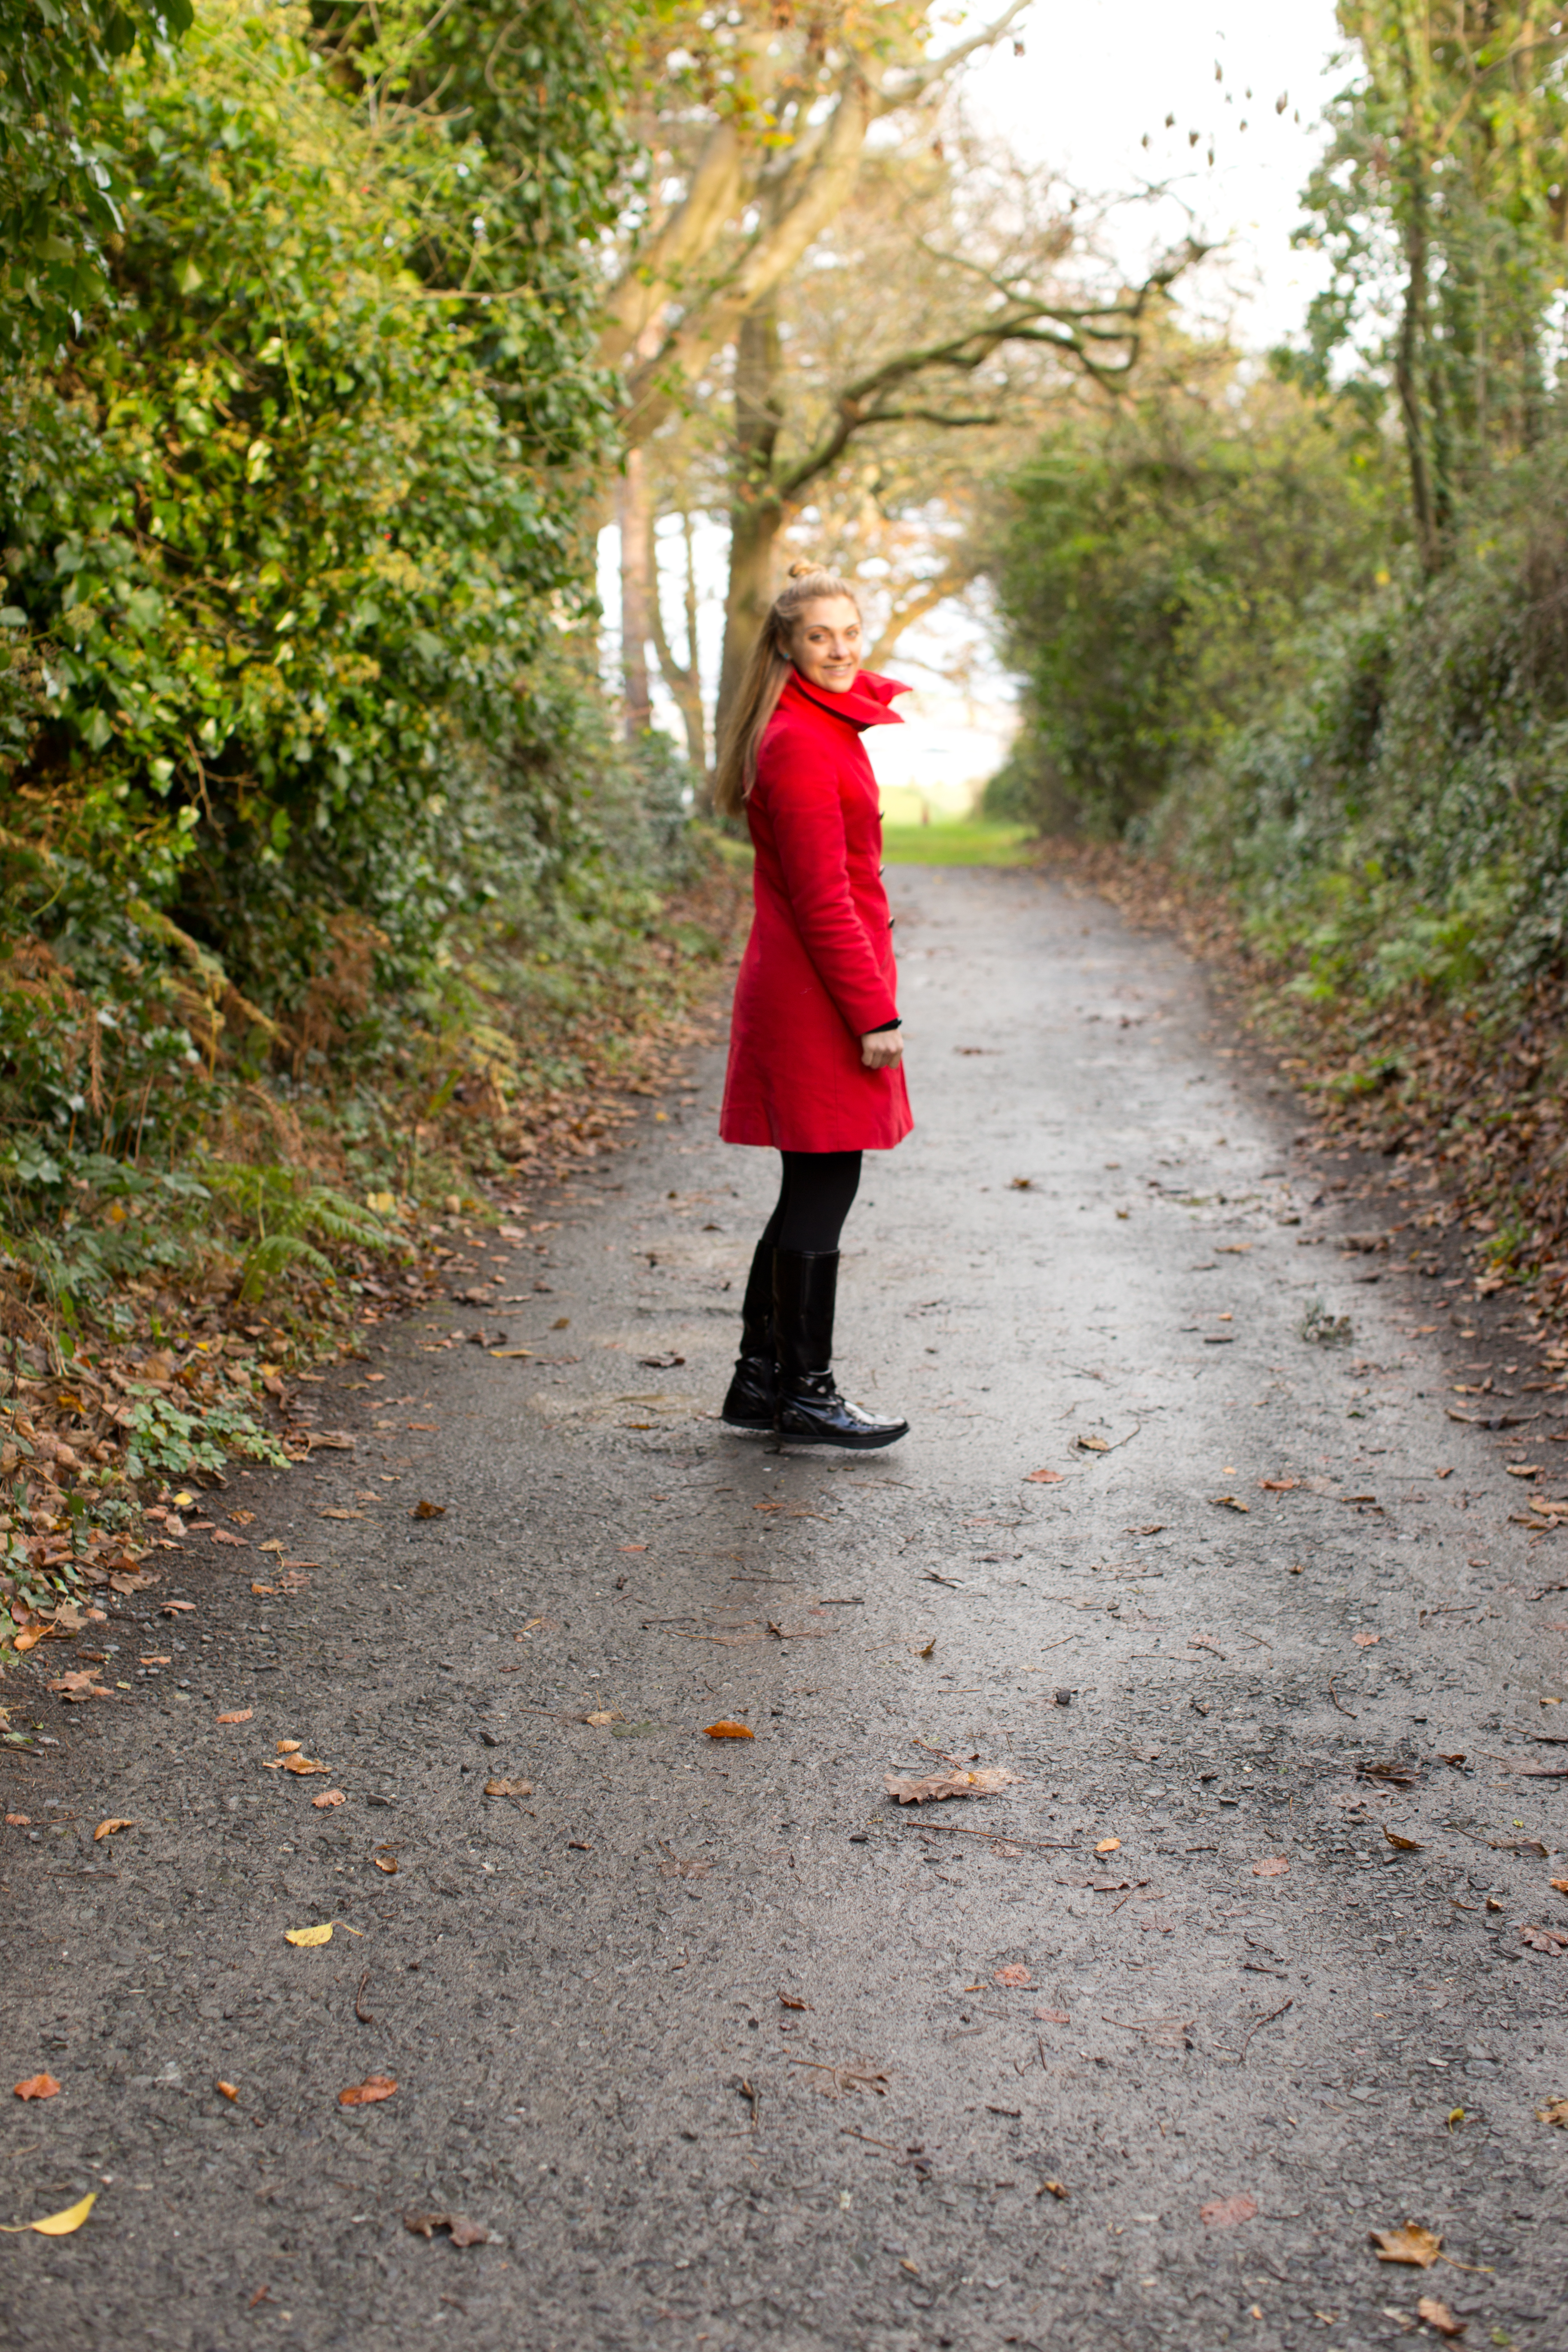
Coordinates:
<point>1094,79</point>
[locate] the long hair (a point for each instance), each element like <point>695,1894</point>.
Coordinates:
<point>763,681</point>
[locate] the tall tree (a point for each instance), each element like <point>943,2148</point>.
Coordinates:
<point>1442,201</point>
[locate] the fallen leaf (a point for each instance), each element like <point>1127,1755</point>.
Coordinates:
<point>1555,2111</point>
<point>386,1862</point>
<point>1224,2213</point>
<point>652,1363</point>
<point>225,2090</point>
<point>1231,1502</point>
<point>266,1589</point>
<point>1524,1469</point>
<point>788,2001</point>
<point>1274,1865</point>
<point>603,1716</point>
<point>38,2086</point>
<point>1438,2316</point>
<point>81,1685</point>
<point>926,1789</point>
<point>366,2094</point>
<point>1053,2017</point>
<point>631,1547</point>
<point>109,1828</point>
<point>304,1765</point>
<point>1560,1884</point>
<point>1412,2244</point>
<point>154,1662</point>
<point>1402,1844</point>
<point>425,2225</point>
<point>424,1510</point>
<point>18,1820</point>
<point>1052,2188</point>
<point>240,1714</point>
<point>727,1730</point>
<point>1017,1976</point>
<point>1045,1478</point>
<point>1107,1845</point>
<point>57,2225</point>
<point>1456,1760</point>
<point>509,1788</point>
<point>222,1535</point>
<point>328,1796</point>
<point>1278,1485</point>
<point>177,1608</point>
<point>1366,1640</point>
<point>309,1936</point>
<point>929,1649</point>
<point>1551,1940</point>
<point>1092,1444</point>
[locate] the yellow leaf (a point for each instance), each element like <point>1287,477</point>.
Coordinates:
<point>309,1936</point>
<point>108,1828</point>
<point>1107,1845</point>
<point>56,2225</point>
<point>1412,2244</point>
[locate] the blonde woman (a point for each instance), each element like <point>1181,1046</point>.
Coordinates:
<point>815,1052</point>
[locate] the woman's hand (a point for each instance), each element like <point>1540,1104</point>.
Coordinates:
<point>882,1049</point>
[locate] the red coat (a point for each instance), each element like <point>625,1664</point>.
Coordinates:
<point>818,968</point>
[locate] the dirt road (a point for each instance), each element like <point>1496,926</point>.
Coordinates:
<point>719,2045</point>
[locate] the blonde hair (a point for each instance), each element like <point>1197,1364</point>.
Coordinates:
<point>763,682</point>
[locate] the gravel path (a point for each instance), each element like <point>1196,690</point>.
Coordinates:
<point>717,2043</point>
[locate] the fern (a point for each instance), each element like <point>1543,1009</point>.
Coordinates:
<point>290,1215</point>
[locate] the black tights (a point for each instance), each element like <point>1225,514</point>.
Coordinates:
<point>816,1195</point>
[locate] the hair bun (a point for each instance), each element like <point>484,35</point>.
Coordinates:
<point>803,569</point>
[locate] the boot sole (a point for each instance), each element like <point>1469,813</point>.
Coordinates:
<point>870,1444</point>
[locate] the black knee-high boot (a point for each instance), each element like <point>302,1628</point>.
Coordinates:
<point>810,1409</point>
<point>752,1396</point>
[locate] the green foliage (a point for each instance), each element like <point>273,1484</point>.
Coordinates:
<point>62,182</point>
<point>165,1441</point>
<point>1157,561</point>
<point>289,1216</point>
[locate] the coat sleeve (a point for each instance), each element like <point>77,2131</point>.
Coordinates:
<point>807,821</point>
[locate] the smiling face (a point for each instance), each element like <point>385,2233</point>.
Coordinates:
<point>825,643</point>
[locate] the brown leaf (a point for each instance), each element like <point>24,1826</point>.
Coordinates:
<point>1555,2111</point>
<point>1224,2213</point>
<point>509,1788</point>
<point>1366,1640</point>
<point>1560,1884</point>
<point>424,1510</point>
<point>1052,2188</point>
<point>328,1796</point>
<point>1412,2244</point>
<point>177,1608</point>
<point>462,2232</point>
<point>222,1535</point>
<point>1438,2316</point>
<point>240,1714</point>
<point>1278,1485</point>
<point>1402,1844</point>
<point>1053,2016</point>
<point>724,1730</point>
<point>155,1661</point>
<point>385,1861</point>
<point>933,1786</point>
<point>109,1828</point>
<point>38,2086</point>
<point>18,1820</point>
<point>225,2090</point>
<point>366,2094</point>
<point>1232,1502</point>
<point>1092,1444</point>
<point>1274,1865</point>
<point>1551,1940</point>
<point>304,1764</point>
<point>788,2001</point>
<point>1045,1478</point>
<point>1017,1976</point>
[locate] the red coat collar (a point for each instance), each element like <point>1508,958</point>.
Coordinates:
<point>865,704</point>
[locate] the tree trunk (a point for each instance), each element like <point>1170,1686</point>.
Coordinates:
<point>636,625</point>
<point>684,679</point>
<point>1408,355</point>
<point>756,511</point>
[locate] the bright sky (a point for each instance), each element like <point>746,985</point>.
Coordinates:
<point>1095,77</point>
<point>1093,80</point>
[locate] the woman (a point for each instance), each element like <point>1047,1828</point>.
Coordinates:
<point>814,1048</point>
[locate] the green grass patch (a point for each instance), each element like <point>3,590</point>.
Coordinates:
<point>957,845</point>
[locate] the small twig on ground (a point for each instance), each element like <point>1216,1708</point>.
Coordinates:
<point>1335,1696</point>
<point>1265,2020</point>
<point>360,2010</point>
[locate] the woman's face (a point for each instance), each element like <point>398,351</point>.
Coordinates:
<point>825,643</point>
